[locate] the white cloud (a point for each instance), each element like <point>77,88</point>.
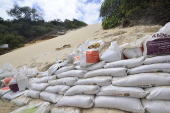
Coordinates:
<point>84,10</point>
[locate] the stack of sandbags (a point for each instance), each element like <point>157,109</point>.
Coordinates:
<point>158,100</point>
<point>118,97</point>
<point>74,96</point>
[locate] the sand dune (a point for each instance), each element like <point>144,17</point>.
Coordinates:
<point>32,52</point>
<point>46,52</point>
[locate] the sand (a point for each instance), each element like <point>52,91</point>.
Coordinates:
<point>44,53</point>
<point>6,107</point>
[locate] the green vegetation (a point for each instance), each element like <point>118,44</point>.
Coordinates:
<point>27,25</point>
<point>114,12</point>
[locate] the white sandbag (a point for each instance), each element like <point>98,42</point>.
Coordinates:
<point>100,81</point>
<point>72,73</point>
<point>157,44</point>
<point>132,52</point>
<point>122,103</point>
<point>6,74</point>
<point>42,80</point>
<point>122,91</point>
<point>64,69</point>
<point>7,67</point>
<point>95,66</point>
<point>165,29</point>
<point>55,67</point>
<point>50,97</point>
<point>129,63</point>
<point>157,59</point>
<point>136,44</point>
<point>143,80</point>
<point>58,89</point>
<point>11,95</point>
<point>112,53</point>
<point>65,110</point>
<point>107,72</point>
<point>32,93</point>
<point>6,81</point>
<point>156,106</point>
<point>4,90</point>
<point>32,72</point>
<point>38,86</point>
<point>21,101</point>
<point>152,68</point>
<point>43,74</point>
<point>82,89</point>
<point>43,107</point>
<point>69,81</point>
<point>70,57</point>
<point>89,52</point>
<point>82,101</point>
<point>161,92</point>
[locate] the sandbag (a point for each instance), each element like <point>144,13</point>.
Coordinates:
<point>4,90</point>
<point>165,29</point>
<point>11,95</point>
<point>21,101</point>
<point>82,89</point>
<point>157,44</point>
<point>129,63</point>
<point>50,97</point>
<point>41,80</point>
<point>122,91</point>
<point>32,93</point>
<point>156,106</point>
<point>7,67</point>
<point>89,52</point>
<point>55,67</point>
<point>132,52</point>
<point>122,103</point>
<point>28,72</point>
<point>95,66</point>
<point>82,101</point>
<point>65,110</point>
<point>38,86</point>
<point>43,107</point>
<point>157,59</point>
<point>107,72</point>
<point>143,80</point>
<point>6,81</point>
<point>72,73</point>
<point>152,68</point>
<point>6,75</point>
<point>58,89</point>
<point>100,81</point>
<point>161,92</point>
<point>69,81</point>
<point>112,53</point>
<point>32,72</point>
<point>102,110</point>
<point>64,69</point>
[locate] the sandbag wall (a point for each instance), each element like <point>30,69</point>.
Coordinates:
<point>144,83</point>
<point>137,85</point>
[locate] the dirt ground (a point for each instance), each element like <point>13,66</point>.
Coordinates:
<point>6,107</point>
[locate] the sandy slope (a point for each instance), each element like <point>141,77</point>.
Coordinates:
<point>44,53</point>
<point>74,38</point>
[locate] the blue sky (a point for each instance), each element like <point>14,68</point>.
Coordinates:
<point>84,10</point>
